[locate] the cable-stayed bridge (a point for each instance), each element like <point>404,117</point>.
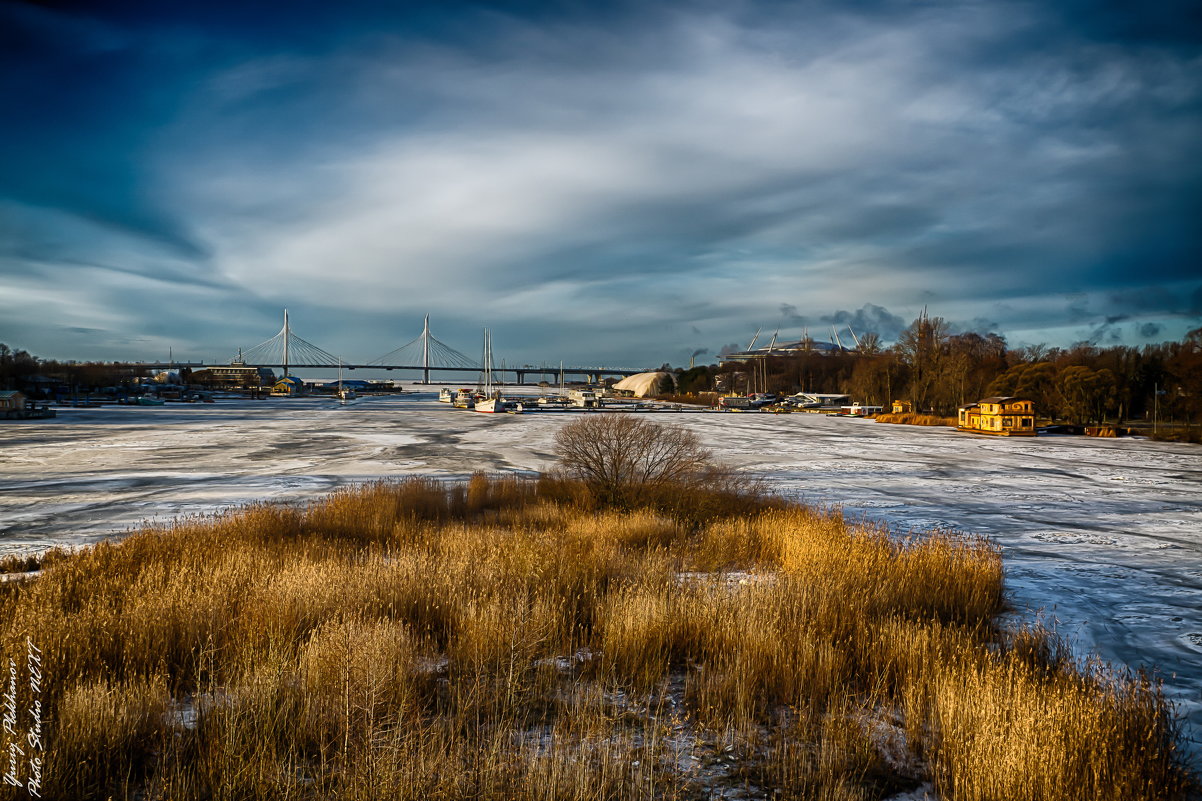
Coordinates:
<point>287,351</point>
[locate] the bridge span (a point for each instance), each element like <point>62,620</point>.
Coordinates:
<point>591,374</point>
<point>424,354</point>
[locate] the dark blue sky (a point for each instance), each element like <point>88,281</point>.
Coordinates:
<point>618,184</point>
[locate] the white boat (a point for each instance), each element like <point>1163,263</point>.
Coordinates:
<point>446,395</point>
<point>492,402</point>
<point>344,394</point>
<point>498,405</point>
<point>493,405</point>
<point>464,399</point>
<point>561,399</point>
<point>584,398</point>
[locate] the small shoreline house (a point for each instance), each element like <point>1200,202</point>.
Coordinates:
<point>1001,416</point>
<point>289,386</point>
<point>12,403</point>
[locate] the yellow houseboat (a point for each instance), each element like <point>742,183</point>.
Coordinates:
<point>1006,417</point>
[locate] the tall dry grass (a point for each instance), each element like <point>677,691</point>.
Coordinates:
<point>690,398</point>
<point>916,419</point>
<point>509,639</point>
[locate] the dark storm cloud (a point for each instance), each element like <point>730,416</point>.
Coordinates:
<point>977,325</point>
<point>555,168</point>
<point>82,100</point>
<point>1166,22</point>
<point>1106,334</point>
<point>1077,309</point>
<point>870,318</point>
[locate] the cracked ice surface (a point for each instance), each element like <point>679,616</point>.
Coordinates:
<point>1101,536</point>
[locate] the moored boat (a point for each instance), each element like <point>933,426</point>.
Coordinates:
<point>489,400</point>
<point>498,405</point>
<point>344,394</point>
<point>493,405</point>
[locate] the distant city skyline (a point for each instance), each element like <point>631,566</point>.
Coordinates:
<point>610,183</point>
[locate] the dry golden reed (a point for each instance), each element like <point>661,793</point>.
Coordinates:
<point>916,419</point>
<point>509,639</point>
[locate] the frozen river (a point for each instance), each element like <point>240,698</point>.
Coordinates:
<point>1102,537</point>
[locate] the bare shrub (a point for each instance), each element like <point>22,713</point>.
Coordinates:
<point>622,457</point>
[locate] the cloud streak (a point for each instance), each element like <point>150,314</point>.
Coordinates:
<point>611,182</point>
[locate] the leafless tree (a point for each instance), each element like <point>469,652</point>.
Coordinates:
<point>619,456</point>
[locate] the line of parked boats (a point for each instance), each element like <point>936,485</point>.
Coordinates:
<point>493,403</point>
<point>488,399</point>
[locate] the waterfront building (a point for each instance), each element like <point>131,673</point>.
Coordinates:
<point>233,376</point>
<point>11,400</point>
<point>288,385</point>
<point>1002,416</point>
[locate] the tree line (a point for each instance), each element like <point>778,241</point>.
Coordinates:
<point>21,370</point>
<point>937,371</point>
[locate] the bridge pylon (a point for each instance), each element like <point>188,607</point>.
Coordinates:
<point>425,350</point>
<point>294,351</point>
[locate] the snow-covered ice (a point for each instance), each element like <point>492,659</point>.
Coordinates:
<point>1102,537</point>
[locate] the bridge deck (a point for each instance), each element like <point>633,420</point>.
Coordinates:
<point>623,371</point>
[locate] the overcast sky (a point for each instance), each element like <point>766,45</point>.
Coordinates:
<point>597,182</point>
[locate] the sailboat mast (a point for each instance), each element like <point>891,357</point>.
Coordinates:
<point>486,360</point>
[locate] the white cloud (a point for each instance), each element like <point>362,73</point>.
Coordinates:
<point>713,164</point>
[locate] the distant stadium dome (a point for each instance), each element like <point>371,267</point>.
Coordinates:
<point>643,384</point>
<point>786,349</point>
